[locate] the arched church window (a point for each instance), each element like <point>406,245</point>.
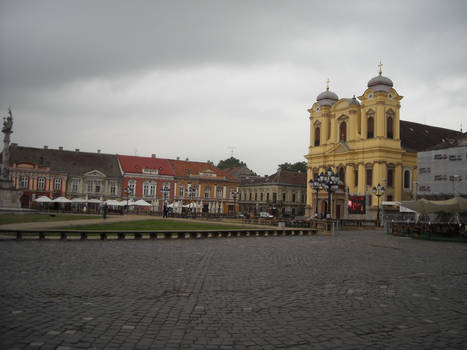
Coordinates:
<point>390,127</point>
<point>341,174</point>
<point>407,179</point>
<point>343,132</point>
<point>370,127</point>
<point>317,136</point>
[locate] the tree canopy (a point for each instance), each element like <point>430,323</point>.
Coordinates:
<point>298,166</point>
<point>231,162</point>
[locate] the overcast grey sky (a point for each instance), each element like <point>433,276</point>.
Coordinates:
<point>192,78</point>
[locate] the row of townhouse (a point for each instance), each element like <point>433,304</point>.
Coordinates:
<point>75,174</point>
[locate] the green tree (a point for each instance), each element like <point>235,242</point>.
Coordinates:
<point>298,166</point>
<point>231,162</point>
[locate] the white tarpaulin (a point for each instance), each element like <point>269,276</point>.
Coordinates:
<point>423,206</point>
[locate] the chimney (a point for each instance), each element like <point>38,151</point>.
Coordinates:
<point>153,155</point>
<point>98,151</point>
<point>46,147</point>
<point>60,148</point>
<point>77,150</point>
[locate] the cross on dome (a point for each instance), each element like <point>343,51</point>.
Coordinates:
<point>380,65</point>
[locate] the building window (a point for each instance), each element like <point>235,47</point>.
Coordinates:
<point>219,193</point>
<point>317,136</point>
<point>256,196</point>
<point>261,196</point>
<point>146,189</point>
<point>57,184</point>
<point>98,186</point>
<point>390,177</point>
<point>113,188</point>
<point>343,132</point>
<point>181,191</point>
<point>355,176</point>
<point>293,197</point>
<point>407,179</point>
<point>131,188</point>
<point>389,198</point>
<point>370,127</point>
<point>74,185</point>
<point>251,196</point>
<point>283,197</point>
<point>24,181</point>
<point>207,191</point>
<point>267,197</point>
<point>390,128</point>
<point>274,197</point>
<point>41,183</point>
<point>369,177</point>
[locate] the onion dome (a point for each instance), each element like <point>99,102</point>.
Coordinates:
<point>380,82</point>
<point>327,98</point>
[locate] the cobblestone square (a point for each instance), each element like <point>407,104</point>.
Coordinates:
<point>353,290</point>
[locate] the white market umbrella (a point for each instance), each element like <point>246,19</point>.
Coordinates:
<point>78,200</point>
<point>43,199</point>
<point>142,203</point>
<point>61,200</point>
<point>95,201</point>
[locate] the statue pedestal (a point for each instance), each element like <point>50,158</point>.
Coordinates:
<point>9,195</point>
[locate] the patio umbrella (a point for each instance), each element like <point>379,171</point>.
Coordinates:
<point>43,199</point>
<point>142,203</point>
<point>61,200</point>
<point>95,201</point>
<point>78,200</point>
<point>423,206</point>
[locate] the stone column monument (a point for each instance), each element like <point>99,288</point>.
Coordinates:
<point>9,196</point>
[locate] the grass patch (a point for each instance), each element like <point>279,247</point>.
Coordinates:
<point>19,219</point>
<point>152,225</point>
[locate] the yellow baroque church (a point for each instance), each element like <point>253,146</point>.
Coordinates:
<point>361,141</point>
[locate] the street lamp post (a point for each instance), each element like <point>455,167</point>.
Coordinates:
<point>165,194</point>
<point>378,191</point>
<point>329,182</point>
<point>315,185</point>
<point>192,194</point>
<point>235,195</point>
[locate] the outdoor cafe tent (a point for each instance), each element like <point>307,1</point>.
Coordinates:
<point>61,200</point>
<point>424,206</point>
<point>94,201</point>
<point>78,200</point>
<point>43,199</point>
<point>142,203</point>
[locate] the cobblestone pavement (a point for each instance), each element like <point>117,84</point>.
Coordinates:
<point>354,290</point>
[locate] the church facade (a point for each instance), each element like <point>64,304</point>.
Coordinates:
<point>361,140</point>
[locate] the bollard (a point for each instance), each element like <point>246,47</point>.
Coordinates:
<point>19,236</point>
<point>103,236</point>
<point>83,236</point>
<point>121,236</point>
<point>63,236</point>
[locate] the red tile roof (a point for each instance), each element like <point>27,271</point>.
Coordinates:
<point>134,164</point>
<point>187,168</point>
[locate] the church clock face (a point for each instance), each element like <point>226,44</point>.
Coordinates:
<point>390,96</point>
<point>317,109</point>
<point>370,95</point>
